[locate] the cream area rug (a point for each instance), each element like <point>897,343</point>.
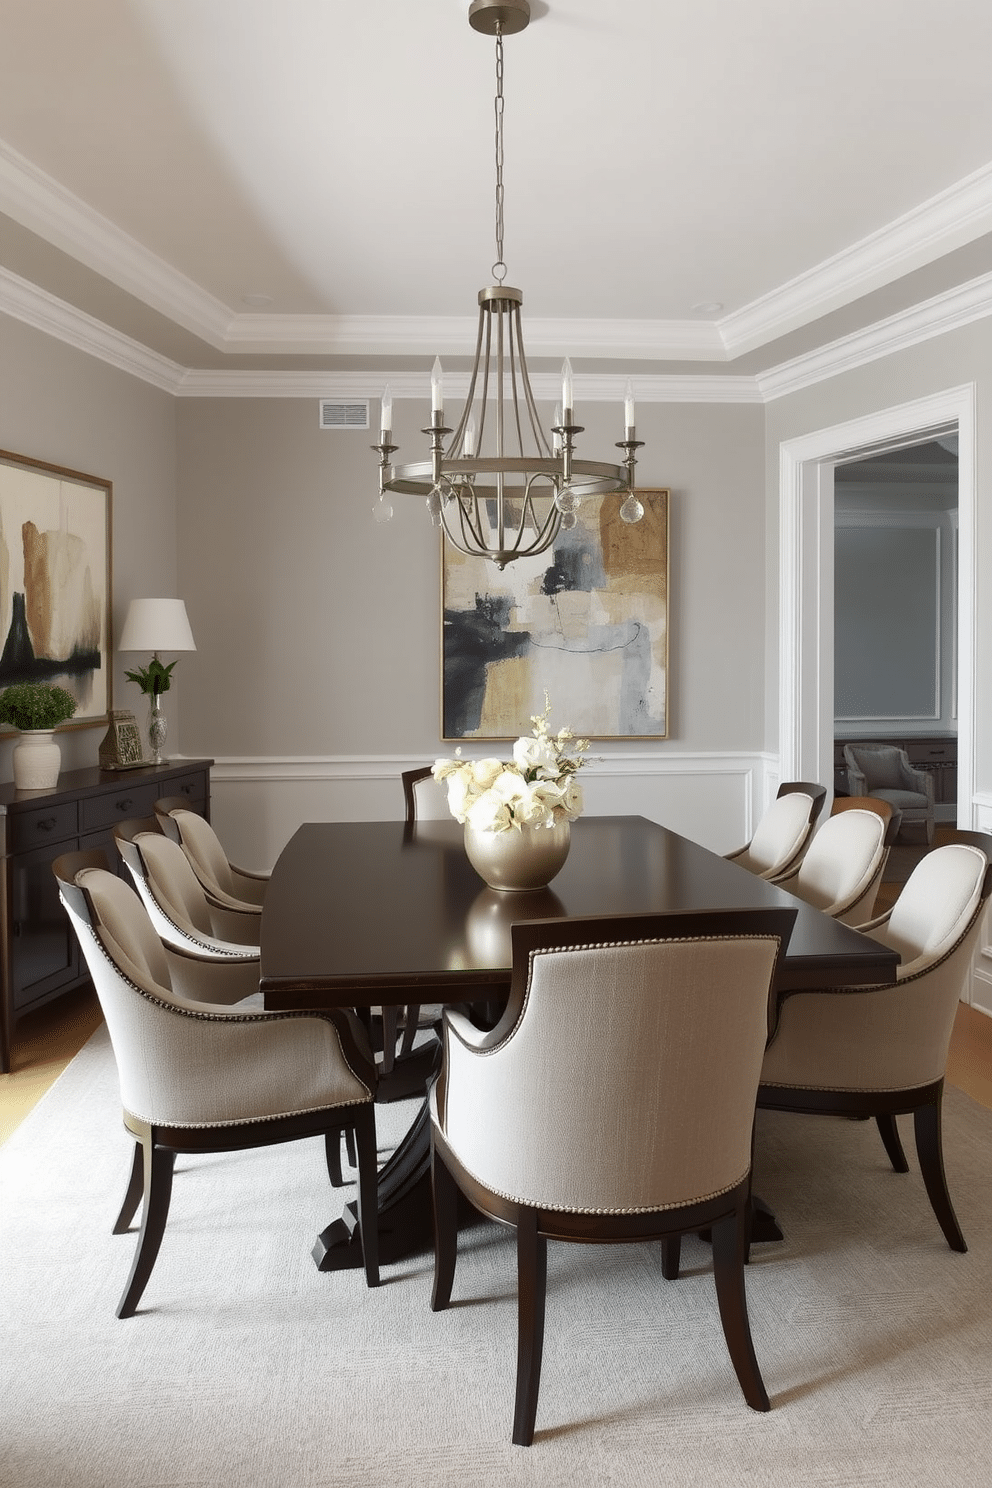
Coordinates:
<point>246,1366</point>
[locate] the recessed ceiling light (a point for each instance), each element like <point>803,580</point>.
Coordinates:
<point>256,301</point>
<point>708,307</point>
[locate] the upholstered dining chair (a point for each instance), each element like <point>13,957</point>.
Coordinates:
<point>843,866</point>
<point>235,888</point>
<point>881,1051</point>
<point>884,770</point>
<point>196,1077</point>
<point>178,906</point>
<point>521,1115</point>
<point>784,832</point>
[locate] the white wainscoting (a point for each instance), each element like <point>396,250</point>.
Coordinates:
<point>257,804</point>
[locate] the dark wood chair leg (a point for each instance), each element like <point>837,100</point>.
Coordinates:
<point>444,1204</point>
<point>410,1028</point>
<point>532,1285</point>
<point>729,1249</point>
<point>390,1020</point>
<point>132,1195</point>
<point>889,1133</point>
<point>158,1165</point>
<point>671,1256</point>
<point>332,1154</point>
<point>368,1193</point>
<point>930,1150</point>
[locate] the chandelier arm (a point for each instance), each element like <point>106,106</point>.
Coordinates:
<point>535,422</point>
<point>484,388</point>
<point>459,435</point>
<point>513,326</point>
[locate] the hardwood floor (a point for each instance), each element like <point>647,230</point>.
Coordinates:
<point>46,1041</point>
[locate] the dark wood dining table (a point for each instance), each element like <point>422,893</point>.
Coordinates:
<point>362,914</point>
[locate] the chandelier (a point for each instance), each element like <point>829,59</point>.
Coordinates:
<point>500,489</point>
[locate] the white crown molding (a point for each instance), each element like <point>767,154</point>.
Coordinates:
<point>947,221</point>
<point>955,216</point>
<point>946,312</point>
<point>35,307</point>
<point>40,204</point>
<point>455,335</point>
<point>954,309</point>
<point>344,386</point>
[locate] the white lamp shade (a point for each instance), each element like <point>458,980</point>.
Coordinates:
<point>157,625</point>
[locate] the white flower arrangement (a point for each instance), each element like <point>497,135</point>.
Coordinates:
<point>537,788</point>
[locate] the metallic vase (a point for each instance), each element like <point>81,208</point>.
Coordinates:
<point>520,858</point>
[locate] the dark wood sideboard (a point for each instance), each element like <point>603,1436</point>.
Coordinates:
<point>41,959</point>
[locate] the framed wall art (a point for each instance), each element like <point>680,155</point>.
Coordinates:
<point>55,582</point>
<point>586,622</point>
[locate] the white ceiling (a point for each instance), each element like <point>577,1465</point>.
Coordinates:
<point>298,184</point>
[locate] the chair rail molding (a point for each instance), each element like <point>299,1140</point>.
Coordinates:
<point>806,544</point>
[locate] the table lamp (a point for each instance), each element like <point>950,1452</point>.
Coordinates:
<point>156,625</point>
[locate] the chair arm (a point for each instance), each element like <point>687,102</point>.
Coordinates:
<point>917,780</point>
<point>218,981</point>
<point>857,783</point>
<point>464,1030</point>
<point>237,927</point>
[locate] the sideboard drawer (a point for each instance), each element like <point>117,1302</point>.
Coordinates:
<point>47,824</point>
<point>929,751</point>
<point>122,805</point>
<point>192,788</point>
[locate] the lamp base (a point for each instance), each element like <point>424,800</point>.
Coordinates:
<point>157,730</point>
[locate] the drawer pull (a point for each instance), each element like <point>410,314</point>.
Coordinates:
<point>125,804</point>
<point>47,823</point>
<point>188,790</point>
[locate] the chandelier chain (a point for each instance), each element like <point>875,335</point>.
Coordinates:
<point>499,267</point>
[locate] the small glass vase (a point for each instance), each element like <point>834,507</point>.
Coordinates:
<point>520,858</point>
<point>157,728</point>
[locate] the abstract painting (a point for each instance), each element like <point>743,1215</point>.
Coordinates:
<point>586,622</point>
<point>55,582</point>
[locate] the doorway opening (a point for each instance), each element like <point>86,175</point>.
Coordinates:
<point>807,505</point>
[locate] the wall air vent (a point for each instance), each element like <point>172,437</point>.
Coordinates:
<point>335,415</point>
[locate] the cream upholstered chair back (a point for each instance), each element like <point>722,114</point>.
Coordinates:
<point>782,833</point>
<point>176,900</point>
<point>628,1080</point>
<point>892,1038</point>
<point>843,865</point>
<point>227,884</point>
<point>935,906</point>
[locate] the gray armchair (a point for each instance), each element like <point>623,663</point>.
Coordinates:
<point>884,770</point>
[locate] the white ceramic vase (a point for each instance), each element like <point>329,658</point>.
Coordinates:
<point>520,858</point>
<point>37,760</point>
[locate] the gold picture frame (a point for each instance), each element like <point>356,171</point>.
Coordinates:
<point>56,582</point>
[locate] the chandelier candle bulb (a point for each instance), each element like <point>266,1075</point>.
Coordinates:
<point>566,391</point>
<point>628,410</point>
<point>555,435</point>
<point>386,416</point>
<point>437,389</point>
<point>468,444</point>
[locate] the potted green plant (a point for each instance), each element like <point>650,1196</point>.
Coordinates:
<point>36,709</point>
<point>154,679</point>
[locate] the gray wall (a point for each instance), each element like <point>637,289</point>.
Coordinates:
<point>61,406</point>
<point>318,632</point>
